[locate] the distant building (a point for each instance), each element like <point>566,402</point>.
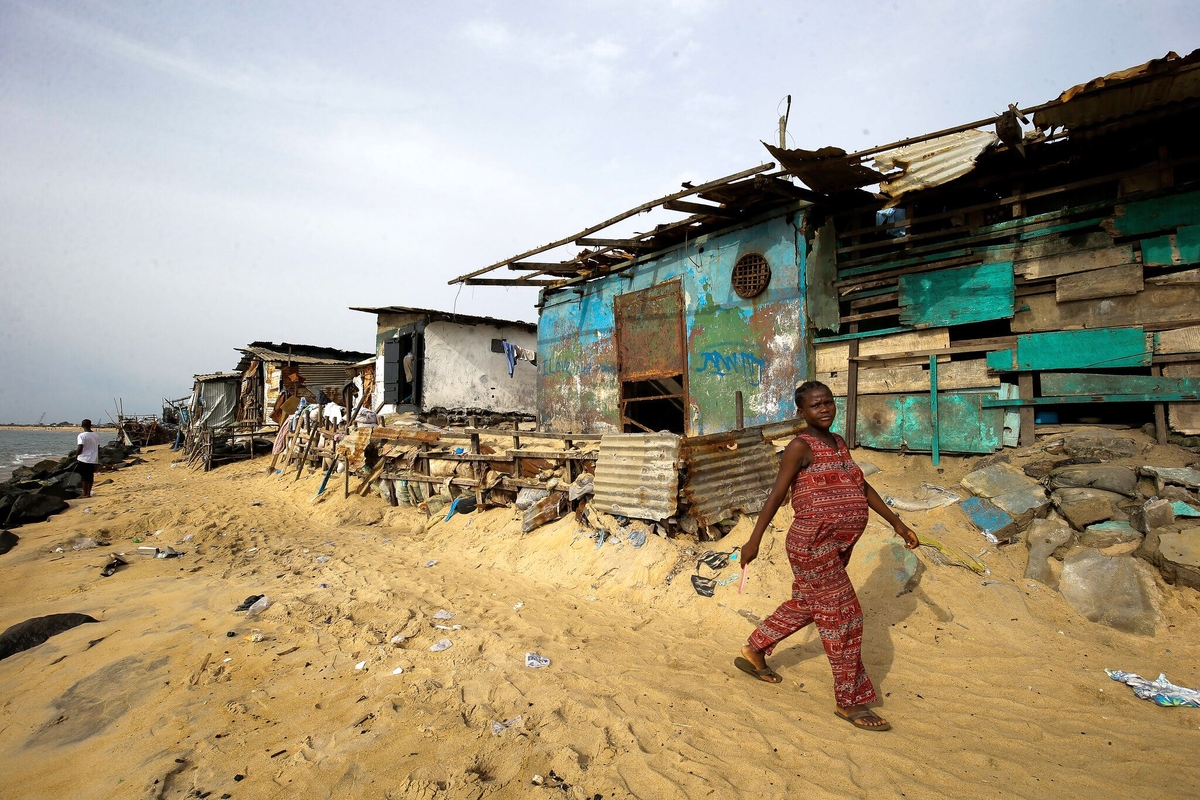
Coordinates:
<point>442,365</point>
<point>272,374</point>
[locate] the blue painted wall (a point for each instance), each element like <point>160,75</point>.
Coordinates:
<point>757,346</point>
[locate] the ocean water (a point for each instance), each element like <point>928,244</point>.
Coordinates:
<point>30,447</point>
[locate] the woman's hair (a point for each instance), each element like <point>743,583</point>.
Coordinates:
<point>809,386</point>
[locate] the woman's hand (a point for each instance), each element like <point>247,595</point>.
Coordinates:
<point>749,552</point>
<point>907,534</point>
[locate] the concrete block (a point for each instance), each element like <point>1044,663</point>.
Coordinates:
<point>1082,507</point>
<point>1107,534</point>
<point>1110,591</point>
<point>996,480</point>
<point>998,526</point>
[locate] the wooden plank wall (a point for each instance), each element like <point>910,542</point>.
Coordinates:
<point>1108,285</point>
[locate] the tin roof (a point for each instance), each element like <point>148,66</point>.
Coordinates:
<point>297,354</point>
<point>217,376</point>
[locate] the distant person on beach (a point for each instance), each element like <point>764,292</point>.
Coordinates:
<point>87,455</point>
<point>830,497</point>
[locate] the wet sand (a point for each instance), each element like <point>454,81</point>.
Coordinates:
<point>994,685</point>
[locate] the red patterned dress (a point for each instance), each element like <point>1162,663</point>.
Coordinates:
<point>831,513</point>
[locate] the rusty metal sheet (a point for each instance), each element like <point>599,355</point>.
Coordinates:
<point>933,162</point>
<point>826,170</point>
<point>650,332</point>
<point>727,474</point>
<point>637,475</point>
<point>1169,79</point>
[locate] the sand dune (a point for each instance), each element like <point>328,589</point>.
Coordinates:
<point>995,685</point>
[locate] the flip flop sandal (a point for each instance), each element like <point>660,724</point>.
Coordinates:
<point>112,565</point>
<point>865,713</point>
<point>717,561</point>
<point>704,586</point>
<point>766,674</point>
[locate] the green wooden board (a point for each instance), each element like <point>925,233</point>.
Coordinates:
<point>1182,247</point>
<point>1092,398</point>
<point>1000,361</point>
<point>1092,348</point>
<point>1159,214</point>
<point>1072,383</point>
<point>974,293</point>
<point>895,422</point>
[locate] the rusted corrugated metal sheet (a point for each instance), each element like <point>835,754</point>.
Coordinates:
<point>1170,79</point>
<point>933,162</point>
<point>727,474</point>
<point>825,170</point>
<point>637,475</point>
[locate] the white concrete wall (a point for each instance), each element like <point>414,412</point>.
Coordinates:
<point>461,371</point>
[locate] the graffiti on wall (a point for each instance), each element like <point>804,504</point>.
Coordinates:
<point>732,361</point>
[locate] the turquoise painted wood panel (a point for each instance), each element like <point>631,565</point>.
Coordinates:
<point>1061,400</point>
<point>974,293</point>
<point>1159,214</point>
<point>895,422</point>
<point>1072,383</point>
<point>1182,247</point>
<point>1094,348</point>
<point>1000,360</point>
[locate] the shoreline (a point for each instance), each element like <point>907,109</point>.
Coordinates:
<point>52,428</point>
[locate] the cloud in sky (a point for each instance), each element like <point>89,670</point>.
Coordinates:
<point>181,179</point>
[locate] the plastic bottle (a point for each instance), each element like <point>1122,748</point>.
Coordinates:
<point>258,606</point>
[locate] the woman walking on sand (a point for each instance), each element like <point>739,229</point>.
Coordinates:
<point>830,497</point>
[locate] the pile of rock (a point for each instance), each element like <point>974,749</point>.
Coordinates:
<point>1097,518</point>
<point>35,493</point>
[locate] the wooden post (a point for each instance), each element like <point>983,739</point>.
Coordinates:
<point>478,468</point>
<point>739,410</point>
<point>346,486</point>
<point>933,411</point>
<point>516,459</point>
<point>1025,392</point>
<point>312,437</point>
<point>851,426</point>
<point>1160,411</point>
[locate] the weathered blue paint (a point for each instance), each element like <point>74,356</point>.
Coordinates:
<point>1076,383</point>
<point>1000,361</point>
<point>974,293</point>
<point>933,410</point>
<point>1181,247</point>
<point>1092,348</point>
<point>1158,214</point>
<point>991,521</point>
<point>756,346</point>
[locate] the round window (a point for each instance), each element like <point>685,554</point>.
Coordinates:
<point>751,275</point>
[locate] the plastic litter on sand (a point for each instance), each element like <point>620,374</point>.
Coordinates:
<point>431,562</point>
<point>500,727</point>
<point>361,665</point>
<point>258,606</point>
<point>398,671</point>
<point>443,614</point>
<point>518,606</point>
<point>442,644</point>
<point>1161,691</point>
<point>536,661</point>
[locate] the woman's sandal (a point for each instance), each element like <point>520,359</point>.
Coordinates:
<point>766,674</point>
<point>856,717</point>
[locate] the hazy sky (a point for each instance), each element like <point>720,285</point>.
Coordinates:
<point>179,179</point>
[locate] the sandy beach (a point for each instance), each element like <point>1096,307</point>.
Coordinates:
<point>994,684</point>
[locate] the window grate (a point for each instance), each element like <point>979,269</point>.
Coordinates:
<point>751,275</point>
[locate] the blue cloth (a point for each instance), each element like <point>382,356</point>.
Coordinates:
<point>510,352</point>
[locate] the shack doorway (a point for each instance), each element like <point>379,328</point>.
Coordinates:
<point>651,359</point>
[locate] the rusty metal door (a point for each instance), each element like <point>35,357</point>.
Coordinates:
<point>651,357</point>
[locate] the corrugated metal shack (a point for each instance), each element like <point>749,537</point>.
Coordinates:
<point>997,270</point>
<point>272,374</point>
<point>448,367</point>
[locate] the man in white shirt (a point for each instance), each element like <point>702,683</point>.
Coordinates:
<point>87,455</point>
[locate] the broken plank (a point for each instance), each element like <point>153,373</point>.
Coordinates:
<point>1108,282</point>
<point>1078,261</point>
<point>1048,247</point>
<point>1077,383</point>
<point>1184,417</point>
<point>1158,214</point>
<point>1153,305</point>
<point>1189,277</point>
<point>397,435</point>
<point>1180,340</point>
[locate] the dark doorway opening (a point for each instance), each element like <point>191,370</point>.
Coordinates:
<point>654,405</point>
